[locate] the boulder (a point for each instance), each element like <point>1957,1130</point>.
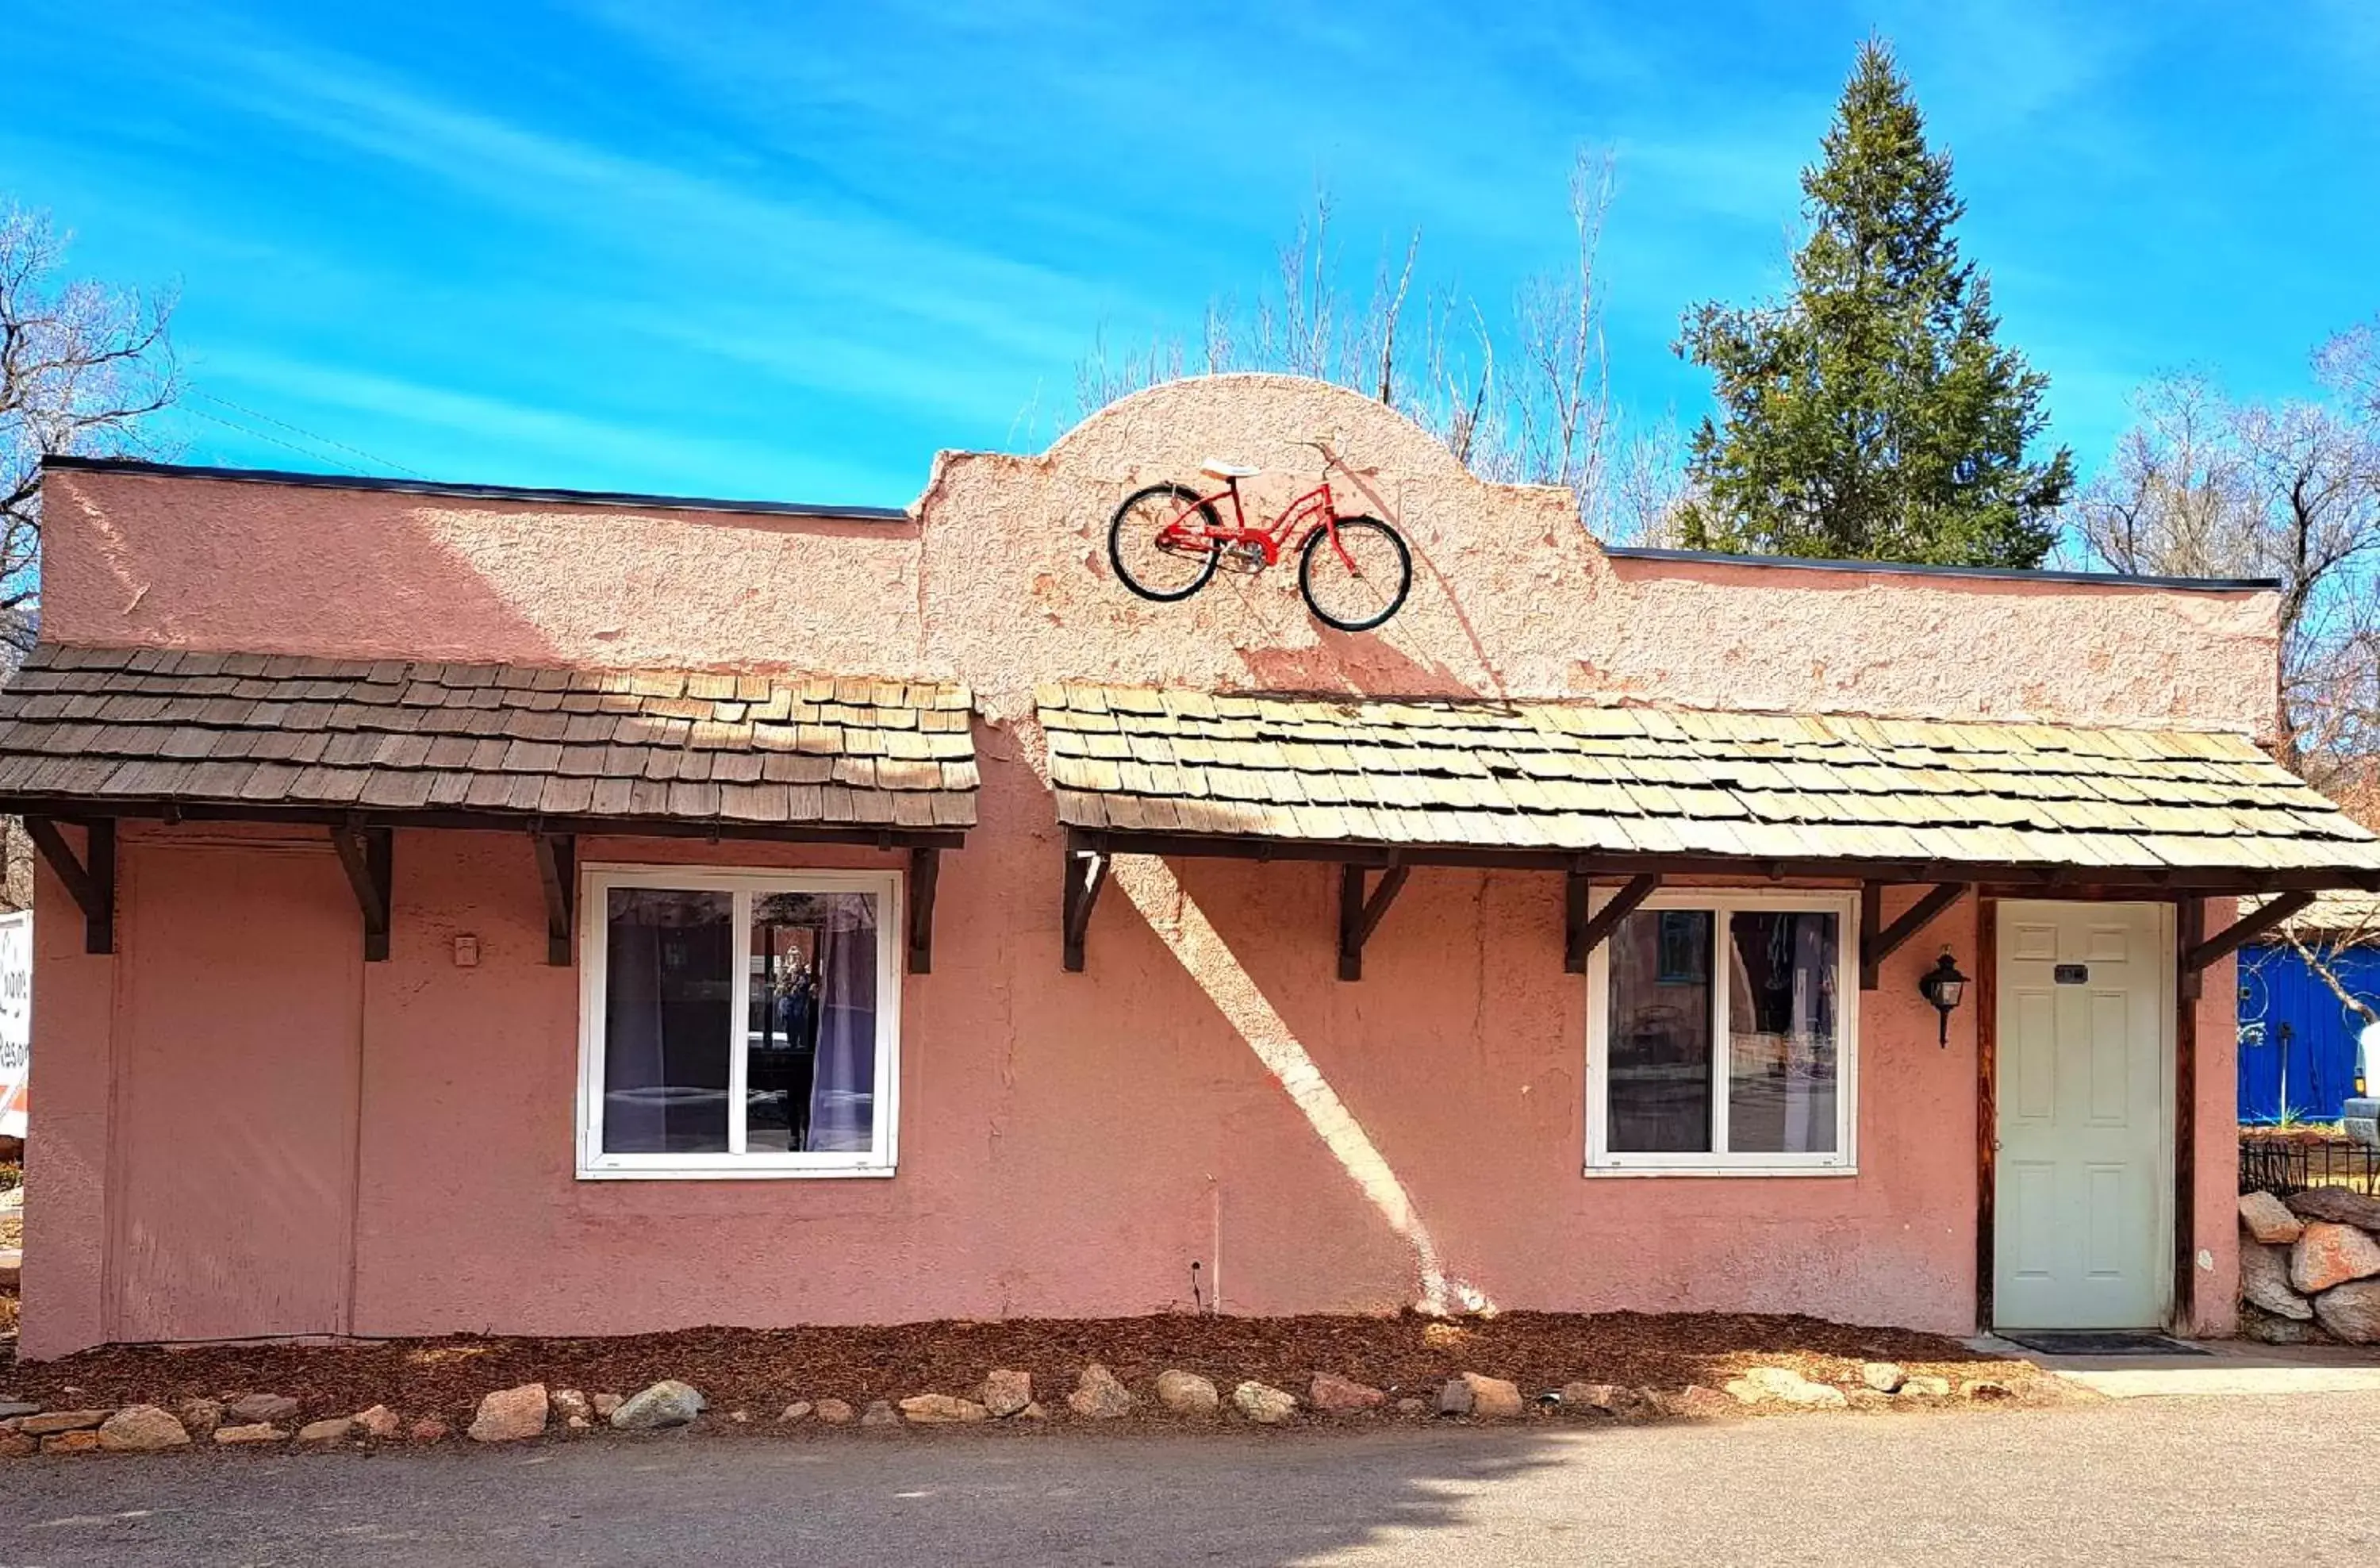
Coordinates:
<point>2331,1254</point>
<point>942,1410</point>
<point>2266,1218</point>
<point>1454,1397</point>
<point>1006,1393</point>
<point>427,1430</point>
<point>2337,1205</point>
<point>248,1432</point>
<point>605,1405</point>
<point>572,1405</point>
<point>880,1413</point>
<point>1099,1394</point>
<point>2351,1312</point>
<point>1884,1377</point>
<point>10,1409</point>
<point>797,1411</point>
<point>1033,1412</point>
<point>332,1428</point>
<point>201,1416</point>
<point>2266,1328</point>
<point>1927,1386</point>
<point>1409,1405</point>
<point>2265,1282</point>
<point>834,1412</point>
<point>81,1441</point>
<point>16,1445</point>
<point>1781,1385</point>
<point>1264,1405</point>
<point>380,1422</point>
<point>1492,1399</point>
<point>142,1428</point>
<point>1186,1393</point>
<point>51,1422</point>
<point>511,1415</point>
<point>667,1404</point>
<point>261,1409</point>
<point>1340,1396</point>
<point>1597,1399</point>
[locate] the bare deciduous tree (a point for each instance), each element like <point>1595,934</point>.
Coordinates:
<point>1529,404</point>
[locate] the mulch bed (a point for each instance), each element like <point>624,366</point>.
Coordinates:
<point>760,1371</point>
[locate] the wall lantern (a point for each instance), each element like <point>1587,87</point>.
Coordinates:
<point>1945,987</point>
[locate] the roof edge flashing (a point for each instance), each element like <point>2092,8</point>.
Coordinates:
<point>1908,568</point>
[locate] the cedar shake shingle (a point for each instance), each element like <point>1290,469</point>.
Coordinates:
<point>1574,778</point>
<point>311,733</point>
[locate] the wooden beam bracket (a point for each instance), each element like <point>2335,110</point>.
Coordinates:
<point>1359,913</point>
<point>1879,941</point>
<point>557,873</point>
<point>369,857</point>
<point>90,879</point>
<point>925,874</point>
<point>1086,873</point>
<point>2245,929</point>
<point>1584,933</point>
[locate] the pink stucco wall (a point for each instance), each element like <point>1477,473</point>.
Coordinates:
<point>1069,1143</point>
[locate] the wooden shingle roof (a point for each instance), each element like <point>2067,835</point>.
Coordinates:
<point>1574,778</point>
<point>275,732</point>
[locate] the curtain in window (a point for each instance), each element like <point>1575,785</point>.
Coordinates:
<point>842,1092</point>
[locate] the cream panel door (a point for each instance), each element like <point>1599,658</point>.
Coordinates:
<point>2083,1204</point>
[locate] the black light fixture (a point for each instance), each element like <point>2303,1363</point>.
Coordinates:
<point>1945,987</point>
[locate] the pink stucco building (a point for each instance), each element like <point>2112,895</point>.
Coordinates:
<point>541,913</point>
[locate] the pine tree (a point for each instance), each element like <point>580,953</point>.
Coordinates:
<point>1872,415</point>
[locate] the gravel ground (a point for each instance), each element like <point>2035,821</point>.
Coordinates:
<point>2159,1481</point>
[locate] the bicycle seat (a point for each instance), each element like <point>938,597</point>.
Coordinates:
<point>1216,468</point>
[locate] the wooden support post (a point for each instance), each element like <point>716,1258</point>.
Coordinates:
<point>924,873</point>
<point>1578,891</point>
<point>88,880</point>
<point>1583,939</point>
<point>1987,1109</point>
<point>557,873</point>
<point>1875,946</point>
<point>1358,915</point>
<point>2247,928</point>
<point>369,857</point>
<point>2189,924</point>
<point>1086,873</point>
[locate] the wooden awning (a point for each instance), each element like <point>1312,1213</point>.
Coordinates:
<point>94,734</point>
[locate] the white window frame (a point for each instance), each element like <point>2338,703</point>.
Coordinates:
<point>595,883</point>
<point>1723,903</point>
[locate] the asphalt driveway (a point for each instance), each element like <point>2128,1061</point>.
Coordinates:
<point>2141,1481</point>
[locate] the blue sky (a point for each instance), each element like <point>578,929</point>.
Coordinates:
<point>788,251</point>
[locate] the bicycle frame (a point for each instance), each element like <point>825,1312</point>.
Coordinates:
<point>1316,503</point>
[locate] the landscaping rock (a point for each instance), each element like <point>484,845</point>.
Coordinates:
<point>797,1411</point>
<point>2266,1218</point>
<point>1340,1396</point>
<point>1033,1412</point>
<point>201,1416</point>
<point>2351,1312</point>
<point>1409,1406</point>
<point>1884,1377</point>
<point>572,1405</point>
<point>511,1415</point>
<point>1598,1398</point>
<point>667,1404</point>
<point>942,1410</point>
<point>2266,1328</point>
<point>2265,1282</point>
<point>12,1408</point>
<point>1187,1394</point>
<point>880,1413</point>
<point>1006,1393</point>
<point>1098,1395</point>
<point>248,1432</point>
<point>1764,1385</point>
<point>380,1422</point>
<point>84,1441</point>
<point>330,1429</point>
<point>1264,1405</point>
<point>1927,1384</point>
<point>142,1428</point>
<point>2337,1205</point>
<point>2331,1254</point>
<point>427,1430</point>
<point>16,1445</point>
<point>834,1412</point>
<point>1454,1398</point>
<point>261,1409</point>
<point>51,1422</point>
<point>1491,1399</point>
<point>605,1405</point>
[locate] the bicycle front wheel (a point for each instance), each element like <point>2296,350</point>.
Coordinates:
<point>1360,578</point>
<point>1151,557</point>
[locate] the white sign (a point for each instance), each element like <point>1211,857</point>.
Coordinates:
<point>16,1019</point>
<point>2371,1057</point>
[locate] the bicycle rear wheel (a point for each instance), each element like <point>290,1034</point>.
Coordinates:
<point>1144,559</point>
<point>1360,582</point>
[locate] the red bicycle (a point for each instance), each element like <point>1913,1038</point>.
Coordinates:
<point>1166,541</point>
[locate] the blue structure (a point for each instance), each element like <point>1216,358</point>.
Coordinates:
<point>2296,1043</point>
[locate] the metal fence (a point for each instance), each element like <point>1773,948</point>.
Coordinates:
<point>2284,1165</point>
